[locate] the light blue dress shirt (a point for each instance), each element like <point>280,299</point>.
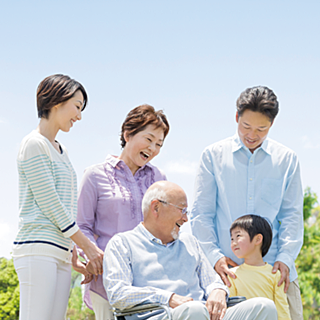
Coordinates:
<point>138,268</point>
<point>231,181</point>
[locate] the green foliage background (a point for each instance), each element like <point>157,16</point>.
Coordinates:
<point>308,265</point>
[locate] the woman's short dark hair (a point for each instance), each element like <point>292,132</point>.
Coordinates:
<point>258,99</point>
<point>56,89</point>
<point>253,225</point>
<point>139,118</point>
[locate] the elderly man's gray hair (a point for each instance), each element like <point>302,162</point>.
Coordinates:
<point>150,195</point>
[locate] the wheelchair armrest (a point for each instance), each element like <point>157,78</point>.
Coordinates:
<point>140,308</point>
<point>232,301</point>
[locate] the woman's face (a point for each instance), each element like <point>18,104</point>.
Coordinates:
<point>67,113</point>
<point>142,147</point>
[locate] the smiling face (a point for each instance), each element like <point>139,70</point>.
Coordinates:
<point>171,217</point>
<point>253,128</point>
<point>142,147</point>
<point>67,113</point>
<point>241,245</point>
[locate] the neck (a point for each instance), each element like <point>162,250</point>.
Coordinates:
<point>47,129</point>
<point>154,230</point>
<point>133,168</point>
<point>255,261</point>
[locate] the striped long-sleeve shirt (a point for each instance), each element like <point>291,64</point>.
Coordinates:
<point>47,200</point>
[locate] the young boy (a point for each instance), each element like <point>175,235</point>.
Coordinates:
<point>251,237</point>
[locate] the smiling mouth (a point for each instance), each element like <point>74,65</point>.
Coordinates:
<point>144,155</point>
<point>178,224</point>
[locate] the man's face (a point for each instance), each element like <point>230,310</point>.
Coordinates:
<point>172,217</point>
<point>253,128</point>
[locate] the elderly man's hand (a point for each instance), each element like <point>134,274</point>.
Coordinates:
<point>284,270</point>
<point>176,300</point>
<point>216,304</point>
<point>223,270</point>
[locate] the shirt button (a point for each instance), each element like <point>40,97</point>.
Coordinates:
<point>250,179</point>
<point>251,161</point>
<point>250,198</point>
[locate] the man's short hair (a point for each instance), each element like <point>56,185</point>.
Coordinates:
<point>258,99</point>
<point>253,225</point>
<point>150,195</point>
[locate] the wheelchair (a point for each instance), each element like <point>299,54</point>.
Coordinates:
<point>141,308</point>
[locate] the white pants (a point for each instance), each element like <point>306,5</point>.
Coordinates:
<point>44,287</point>
<point>101,307</point>
<point>252,309</point>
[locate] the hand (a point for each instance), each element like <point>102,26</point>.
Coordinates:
<point>80,267</point>
<point>176,300</point>
<point>216,304</point>
<point>93,253</point>
<point>223,270</point>
<point>90,270</point>
<point>285,272</point>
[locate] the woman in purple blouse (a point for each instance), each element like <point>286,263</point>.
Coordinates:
<point>111,192</point>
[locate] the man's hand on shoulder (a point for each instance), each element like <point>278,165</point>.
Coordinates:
<point>285,272</point>
<point>176,300</point>
<point>216,304</point>
<point>223,270</point>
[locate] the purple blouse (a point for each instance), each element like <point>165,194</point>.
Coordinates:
<point>110,202</point>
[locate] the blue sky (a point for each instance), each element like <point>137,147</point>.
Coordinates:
<point>190,58</point>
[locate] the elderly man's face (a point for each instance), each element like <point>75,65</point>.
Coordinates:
<point>172,217</point>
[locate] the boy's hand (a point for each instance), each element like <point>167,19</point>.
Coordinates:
<point>284,270</point>
<point>223,270</point>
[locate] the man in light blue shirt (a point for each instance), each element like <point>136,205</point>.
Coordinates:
<point>250,173</point>
<point>153,263</point>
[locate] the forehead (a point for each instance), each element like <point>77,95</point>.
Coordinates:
<point>237,230</point>
<point>151,130</point>
<point>255,118</point>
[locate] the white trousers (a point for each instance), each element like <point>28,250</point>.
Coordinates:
<point>101,307</point>
<point>252,309</point>
<point>44,287</point>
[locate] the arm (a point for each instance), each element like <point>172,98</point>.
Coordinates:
<point>204,216</point>
<point>280,299</point>
<point>118,279</point>
<point>290,218</point>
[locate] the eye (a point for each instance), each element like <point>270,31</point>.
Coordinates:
<point>159,145</point>
<point>149,139</point>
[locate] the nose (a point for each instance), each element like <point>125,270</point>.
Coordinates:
<point>152,147</point>
<point>185,217</point>
<point>79,115</point>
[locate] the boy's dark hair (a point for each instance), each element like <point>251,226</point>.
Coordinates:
<point>258,99</point>
<point>253,225</point>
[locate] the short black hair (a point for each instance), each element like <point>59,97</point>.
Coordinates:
<point>253,225</point>
<point>258,99</point>
<point>57,89</point>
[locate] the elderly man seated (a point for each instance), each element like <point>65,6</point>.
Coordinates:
<point>153,263</point>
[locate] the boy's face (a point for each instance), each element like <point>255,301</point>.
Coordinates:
<point>241,245</point>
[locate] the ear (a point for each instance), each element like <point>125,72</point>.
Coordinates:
<point>237,117</point>
<point>154,207</point>
<point>258,239</point>
<point>126,136</point>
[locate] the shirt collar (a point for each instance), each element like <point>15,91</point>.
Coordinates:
<point>237,144</point>
<point>151,237</point>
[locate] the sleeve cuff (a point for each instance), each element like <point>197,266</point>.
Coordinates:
<point>70,231</point>
<point>286,259</point>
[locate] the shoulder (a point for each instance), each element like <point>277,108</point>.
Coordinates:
<point>218,147</point>
<point>189,240</point>
<point>34,144</point>
<point>279,150</point>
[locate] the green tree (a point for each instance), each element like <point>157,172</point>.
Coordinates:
<point>9,291</point>
<point>308,261</point>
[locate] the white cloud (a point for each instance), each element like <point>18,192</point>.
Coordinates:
<point>308,144</point>
<point>183,167</point>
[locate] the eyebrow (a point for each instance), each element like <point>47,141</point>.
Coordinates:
<point>247,124</point>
